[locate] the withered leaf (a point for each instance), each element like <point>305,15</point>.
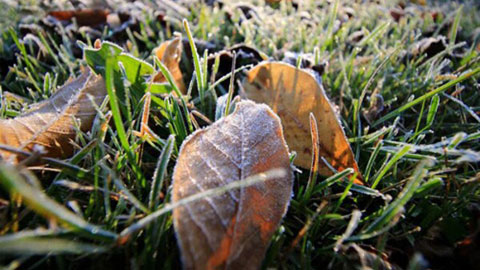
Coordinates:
<point>429,46</point>
<point>170,53</point>
<point>51,122</point>
<point>293,93</point>
<point>233,230</point>
<point>397,14</point>
<point>84,17</point>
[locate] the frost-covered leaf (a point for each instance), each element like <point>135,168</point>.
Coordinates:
<point>293,93</point>
<point>233,230</point>
<point>51,122</point>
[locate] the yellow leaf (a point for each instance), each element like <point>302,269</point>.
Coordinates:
<point>293,93</point>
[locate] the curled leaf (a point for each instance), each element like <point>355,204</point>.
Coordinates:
<point>233,230</point>
<point>293,93</point>
<point>429,46</point>
<point>170,53</point>
<point>51,122</point>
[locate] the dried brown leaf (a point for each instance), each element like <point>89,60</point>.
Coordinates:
<point>293,93</point>
<point>83,17</point>
<point>170,53</point>
<point>51,122</point>
<point>429,46</point>
<point>233,230</point>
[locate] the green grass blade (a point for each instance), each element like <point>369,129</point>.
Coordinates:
<point>432,110</point>
<point>196,60</point>
<point>332,180</point>
<point>392,162</point>
<point>331,22</point>
<point>454,30</point>
<point>160,171</point>
<point>231,86</point>
<point>45,246</point>
<point>371,160</point>
<point>396,206</point>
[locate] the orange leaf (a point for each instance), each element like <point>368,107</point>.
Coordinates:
<point>170,53</point>
<point>233,230</point>
<point>51,122</point>
<point>293,93</point>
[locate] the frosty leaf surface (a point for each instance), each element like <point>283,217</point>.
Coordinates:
<point>51,123</point>
<point>233,230</point>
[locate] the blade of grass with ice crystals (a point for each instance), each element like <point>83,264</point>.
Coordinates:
<point>403,197</point>
<point>171,81</point>
<point>331,23</point>
<point>230,87</point>
<point>196,61</point>
<point>13,182</point>
<point>392,162</point>
<point>428,95</point>
<point>357,188</point>
<point>159,174</point>
<point>332,179</point>
<point>454,30</point>
<point>428,186</point>
<point>371,160</point>
<point>124,190</point>
<point>22,244</point>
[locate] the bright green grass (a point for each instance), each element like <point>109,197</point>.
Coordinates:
<point>420,158</point>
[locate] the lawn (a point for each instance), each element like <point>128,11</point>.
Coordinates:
<point>402,77</point>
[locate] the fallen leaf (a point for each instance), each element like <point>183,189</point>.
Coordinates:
<point>429,46</point>
<point>293,93</point>
<point>51,122</point>
<point>170,53</point>
<point>397,14</point>
<point>355,37</point>
<point>233,230</point>
<point>83,17</point>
